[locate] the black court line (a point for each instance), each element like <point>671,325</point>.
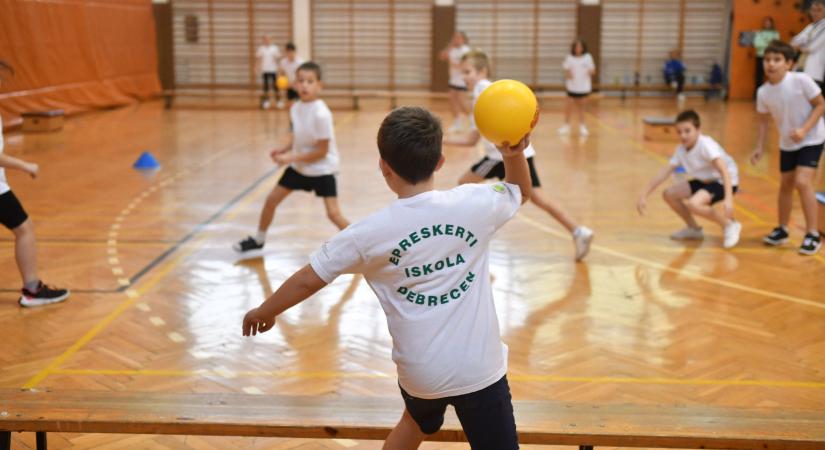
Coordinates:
<point>198,228</point>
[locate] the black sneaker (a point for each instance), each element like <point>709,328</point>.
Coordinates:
<point>247,245</point>
<point>810,245</point>
<point>776,237</point>
<point>43,295</point>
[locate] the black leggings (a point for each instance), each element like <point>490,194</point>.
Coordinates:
<point>269,80</point>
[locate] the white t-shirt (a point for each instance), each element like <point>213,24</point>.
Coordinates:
<point>4,185</point>
<point>490,149</point>
<point>812,40</point>
<point>289,67</point>
<point>789,102</point>
<point>580,66</point>
<point>427,260</point>
<point>268,55</point>
<point>311,122</point>
<point>698,162</point>
<point>454,57</point>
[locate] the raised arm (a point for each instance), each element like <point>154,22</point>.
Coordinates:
<point>10,162</point>
<point>297,288</point>
<point>515,167</point>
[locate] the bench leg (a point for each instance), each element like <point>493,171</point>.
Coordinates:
<point>355,105</point>
<point>5,440</point>
<point>41,440</point>
<point>585,447</point>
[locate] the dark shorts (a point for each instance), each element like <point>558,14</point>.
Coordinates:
<point>491,168</point>
<point>714,188</point>
<point>804,157</point>
<point>12,214</point>
<point>457,88</point>
<point>486,415</point>
<point>323,186</point>
<point>577,94</point>
<point>269,80</point>
<point>292,94</point>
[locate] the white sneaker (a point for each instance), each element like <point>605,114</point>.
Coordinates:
<point>583,130</point>
<point>456,127</point>
<point>280,104</point>
<point>732,231</point>
<point>265,104</point>
<point>688,234</point>
<point>582,236</point>
<point>564,129</point>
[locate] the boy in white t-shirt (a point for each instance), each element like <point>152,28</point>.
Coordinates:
<point>267,65</point>
<point>579,69</point>
<point>16,220</point>
<point>426,257</point>
<point>288,66</point>
<point>713,177</point>
<point>796,104</point>
<point>310,154</point>
<point>475,68</point>
<point>453,53</point>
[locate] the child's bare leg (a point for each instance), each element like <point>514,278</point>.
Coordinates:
<point>405,436</point>
<point>807,196</point>
<point>278,194</point>
<point>554,209</point>
<point>675,197</point>
<point>568,109</point>
<point>334,212</point>
<point>470,177</point>
<point>699,204</point>
<point>25,251</point>
<point>580,108</point>
<point>455,103</point>
<point>785,200</point>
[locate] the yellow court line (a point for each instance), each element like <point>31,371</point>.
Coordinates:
<point>686,273</point>
<point>379,375</point>
<point>133,298</point>
<point>739,208</point>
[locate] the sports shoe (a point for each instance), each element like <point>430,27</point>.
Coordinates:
<point>776,237</point>
<point>564,129</point>
<point>247,245</point>
<point>732,231</point>
<point>280,104</point>
<point>583,130</point>
<point>688,234</point>
<point>43,295</point>
<point>582,236</point>
<point>810,245</point>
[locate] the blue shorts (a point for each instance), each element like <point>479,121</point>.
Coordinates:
<point>486,415</point>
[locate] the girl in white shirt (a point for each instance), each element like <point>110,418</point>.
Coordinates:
<point>458,89</point>
<point>578,71</point>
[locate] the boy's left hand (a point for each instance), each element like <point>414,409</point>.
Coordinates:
<point>283,158</point>
<point>797,135</point>
<point>254,322</point>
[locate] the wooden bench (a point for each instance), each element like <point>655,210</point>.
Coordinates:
<point>371,418</point>
<point>660,129</point>
<point>51,120</point>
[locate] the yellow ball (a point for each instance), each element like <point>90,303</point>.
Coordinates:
<point>282,82</point>
<point>506,111</point>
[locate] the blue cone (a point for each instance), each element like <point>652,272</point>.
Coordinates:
<point>146,162</point>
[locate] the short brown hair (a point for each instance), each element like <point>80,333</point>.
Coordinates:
<point>478,59</point>
<point>310,66</point>
<point>409,140</point>
<point>780,48</point>
<point>691,116</point>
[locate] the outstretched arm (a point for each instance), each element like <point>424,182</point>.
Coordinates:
<point>297,288</point>
<point>641,203</point>
<point>10,162</point>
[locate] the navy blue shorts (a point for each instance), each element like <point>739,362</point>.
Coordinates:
<point>804,157</point>
<point>714,188</point>
<point>12,214</point>
<point>486,415</point>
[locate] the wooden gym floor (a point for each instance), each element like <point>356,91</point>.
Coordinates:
<point>158,295</point>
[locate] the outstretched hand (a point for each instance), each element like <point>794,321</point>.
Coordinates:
<point>254,322</point>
